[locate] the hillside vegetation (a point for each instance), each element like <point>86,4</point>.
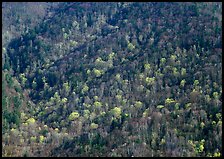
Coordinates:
<point>112,79</point>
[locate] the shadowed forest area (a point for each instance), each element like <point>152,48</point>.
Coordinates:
<point>112,79</point>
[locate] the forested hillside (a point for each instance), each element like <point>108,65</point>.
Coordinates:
<point>112,79</point>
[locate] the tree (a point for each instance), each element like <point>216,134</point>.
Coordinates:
<point>116,112</point>
<point>138,104</point>
<point>31,121</point>
<point>66,87</point>
<point>23,79</point>
<point>93,126</point>
<point>150,80</point>
<point>85,88</point>
<point>97,73</point>
<point>182,83</point>
<point>73,116</point>
<point>97,104</point>
<point>131,46</point>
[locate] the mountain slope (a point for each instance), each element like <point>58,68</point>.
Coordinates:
<point>123,79</point>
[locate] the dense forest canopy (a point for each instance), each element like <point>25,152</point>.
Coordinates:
<point>112,79</point>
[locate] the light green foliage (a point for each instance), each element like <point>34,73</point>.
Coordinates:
<point>13,130</point>
<point>33,138</point>
<point>162,60</point>
<point>102,113</point>
<point>85,88</point>
<point>147,66</point>
<point>116,111</point>
<point>44,79</point>
<point>73,116</point>
<point>177,106</point>
<point>169,101</point>
<point>219,123</point>
<point>23,115</point>
<point>178,62</point>
<point>145,113</point>
<point>163,141</point>
<point>183,71</point>
<point>219,116</point>
<point>159,74</point>
<point>201,148</point>
<point>66,86</point>
<point>175,72</point>
<point>138,104</point>
<point>217,154</point>
<point>86,105</point>
<point>173,57</point>
<point>120,90</point>
<point>109,63</point>
<point>215,85</point>
<point>207,98</point>
<point>150,81</point>
<point>160,106</point>
<point>31,120</point>
<point>103,65</point>
<point>88,72</point>
<point>141,76</point>
<point>97,104</point>
<point>64,100</point>
<point>123,102</point>
<point>201,145</point>
<point>75,24</point>
<point>119,97</point>
<point>123,59</point>
<point>99,62</point>
<point>118,77</point>
<point>198,146</point>
<point>86,113</point>
<point>125,82</point>
<point>213,123</point>
<point>202,125</point>
<point>131,46</point>
<point>25,124</point>
<point>215,95</point>
<point>140,38</point>
<point>126,115</point>
<point>46,86</point>
<point>95,98</point>
<point>182,83</point>
<point>93,126</point>
<point>51,100</point>
<point>73,43</point>
<point>56,97</point>
<point>41,138</point>
<point>97,72</point>
<point>188,105</point>
<point>92,116</point>
<point>65,35</point>
<point>209,155</point>
<point>196,83</point>
<point>111,56</point>
<point>3,50</point>
<point>23,79</point>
